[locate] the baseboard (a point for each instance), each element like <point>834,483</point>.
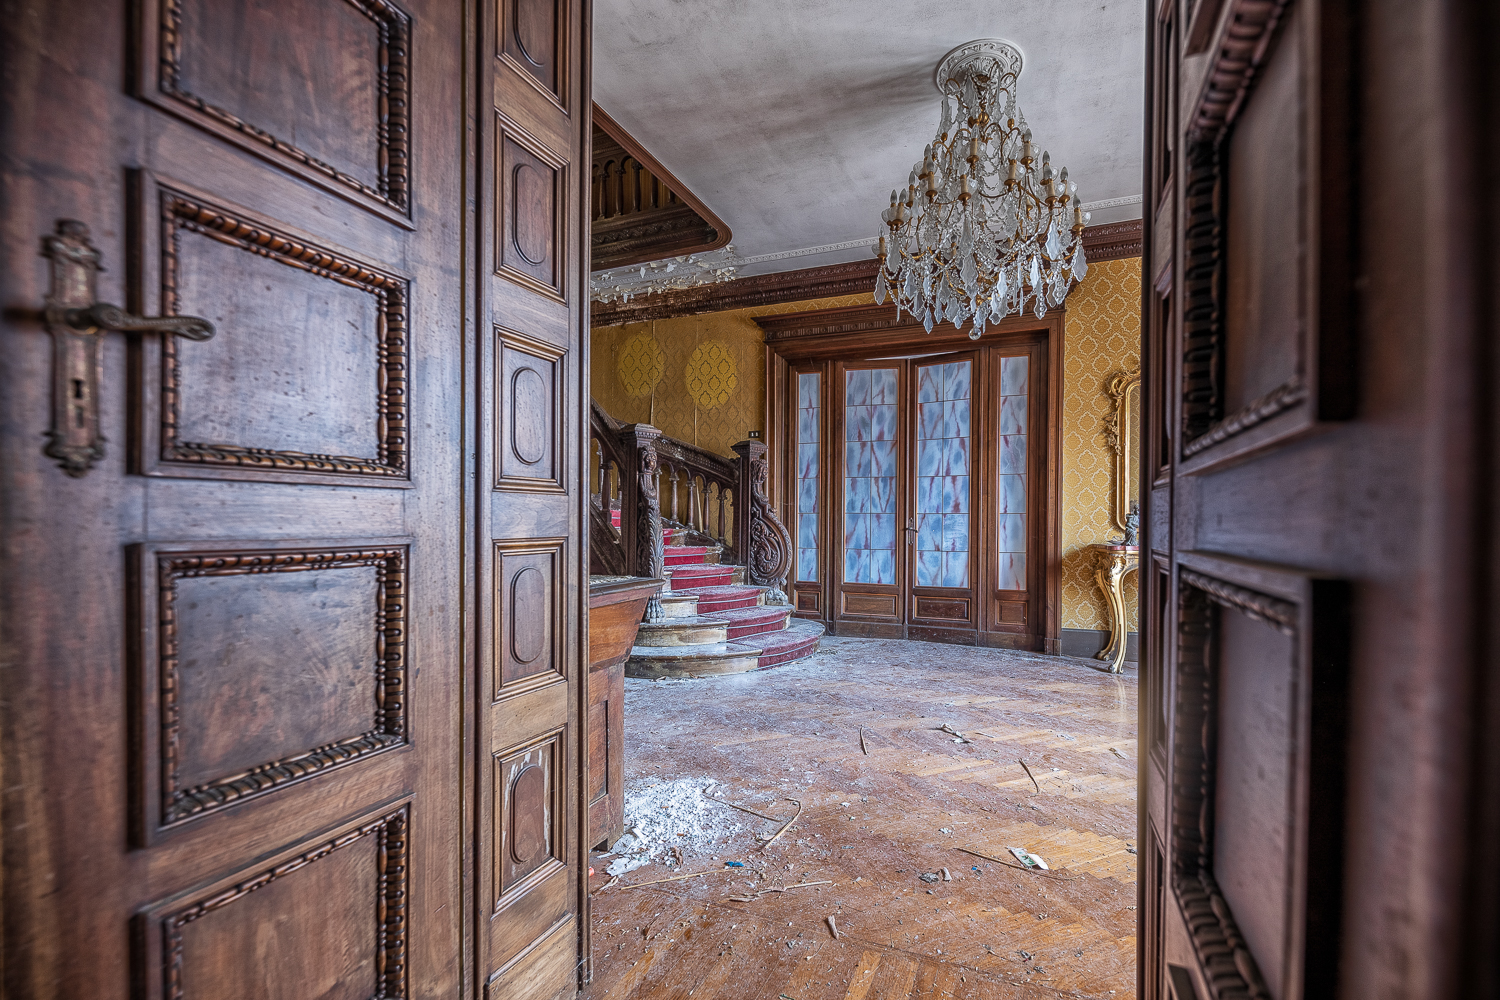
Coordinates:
<point>1085,642</point>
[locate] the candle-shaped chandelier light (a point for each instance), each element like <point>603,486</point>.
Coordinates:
<point>983,229</point>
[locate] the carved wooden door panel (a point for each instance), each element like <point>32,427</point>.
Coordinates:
<point>530,894</point>
<point>233,672</point>
<point>1246,615</point>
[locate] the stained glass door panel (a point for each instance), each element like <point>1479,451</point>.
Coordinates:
<point>944,411</point>
<point>870,436</point>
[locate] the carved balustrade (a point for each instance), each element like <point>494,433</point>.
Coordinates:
<point>654,480</point>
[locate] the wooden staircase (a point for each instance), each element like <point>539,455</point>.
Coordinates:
<point>711,620</point>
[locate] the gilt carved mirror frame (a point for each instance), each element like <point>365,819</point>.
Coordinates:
<point>1122,429</point>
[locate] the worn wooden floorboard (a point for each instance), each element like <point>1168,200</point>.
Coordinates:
<point>873,822</point>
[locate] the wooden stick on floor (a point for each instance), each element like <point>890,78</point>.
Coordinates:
<point>862,741</point>
<point>743,809</point>
<point>679,878</point>
<point>1031,776</point>
<point>785,828</point>
<point>1011,864</point>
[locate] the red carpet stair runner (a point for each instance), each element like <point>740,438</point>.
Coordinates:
<point>713,623</point>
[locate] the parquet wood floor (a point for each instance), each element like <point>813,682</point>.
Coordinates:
<point>873,822</point>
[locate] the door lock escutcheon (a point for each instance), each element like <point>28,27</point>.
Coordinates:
<point>77,322</point>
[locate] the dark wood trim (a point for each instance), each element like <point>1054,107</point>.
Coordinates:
<point>1112,241</point>
<point>1085,642</point>
<point>1315,614</point>
<point>615,131</point>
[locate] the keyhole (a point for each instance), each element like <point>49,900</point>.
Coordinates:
<point>78,415</point>
<point>78,388</point>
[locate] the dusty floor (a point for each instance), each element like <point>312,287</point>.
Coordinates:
<point>872,823</point>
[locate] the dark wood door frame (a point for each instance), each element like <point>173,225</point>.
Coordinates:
<point>795,340</point>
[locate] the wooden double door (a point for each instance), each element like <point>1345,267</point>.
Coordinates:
<point>1318,576</point>
<point>918,488</point>
<point>293,607</point>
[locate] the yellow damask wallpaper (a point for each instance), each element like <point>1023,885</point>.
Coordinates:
<point>1102,338</point>
<point>701,379</point>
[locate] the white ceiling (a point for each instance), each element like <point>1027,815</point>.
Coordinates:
<point>793,119</point>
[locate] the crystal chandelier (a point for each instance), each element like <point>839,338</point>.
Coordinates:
<point>980,231</point>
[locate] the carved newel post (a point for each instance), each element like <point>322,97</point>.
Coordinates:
<point>762,539</point>
<point>640,510</point>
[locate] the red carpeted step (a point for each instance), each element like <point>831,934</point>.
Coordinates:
<point>686,555</point>
<point>712,599</point>
<point>614,516</point>
<point>758,620</point>
<point>792,643</point>
<point>684,577</point>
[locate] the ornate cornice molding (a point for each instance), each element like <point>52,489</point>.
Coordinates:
<point>742,293</point>
<point>1112,241</point>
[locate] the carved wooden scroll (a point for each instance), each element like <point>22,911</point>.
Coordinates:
<point>767,545</point>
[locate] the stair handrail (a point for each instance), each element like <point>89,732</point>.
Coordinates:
<point>655,473</point>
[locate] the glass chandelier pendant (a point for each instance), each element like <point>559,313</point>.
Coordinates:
<point>983,229</point>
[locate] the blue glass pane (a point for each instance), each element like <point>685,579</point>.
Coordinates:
<point>857,388</point>
<point>929,569</point>
<point>807,565</point>
<point>807,389</point>
<point>1012,571</point>
<point>1013,414</point>
<point>1013,494</point>
<point>1013,373</point>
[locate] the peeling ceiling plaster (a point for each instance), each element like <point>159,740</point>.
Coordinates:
<point>793,119</point>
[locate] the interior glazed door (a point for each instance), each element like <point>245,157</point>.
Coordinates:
<point>942,492</point>
<point>870,432</point>
<point>232,669</point>
<point>530,888</point>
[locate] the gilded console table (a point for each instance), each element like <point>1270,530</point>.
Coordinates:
<point>1111,564</point>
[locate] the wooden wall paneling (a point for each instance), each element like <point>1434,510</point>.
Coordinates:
<point>283,106</point>
<point>313,422</point>
<point>248,636</point>
<point>1255,841</point>
<point>531,815</point>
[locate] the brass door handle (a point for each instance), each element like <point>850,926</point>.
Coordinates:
<point>77,321</point>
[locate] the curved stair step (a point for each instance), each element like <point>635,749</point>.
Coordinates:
<point>691,661</point>
<point>691,555</point>
<point>756,620</point>
<point>797,640</point>
<point>685,577</point>
<point>679,605</point>
<point>696,630</point>
<point>714,599</point>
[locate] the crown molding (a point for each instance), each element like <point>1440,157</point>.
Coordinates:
<point>742,293</point>
<point>1112,241</point>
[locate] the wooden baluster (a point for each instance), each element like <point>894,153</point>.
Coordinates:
<point>620,186</point>
<point>635,185</point>
<point>674,494</point>
<point>723,495</point>
<point>695,519</point>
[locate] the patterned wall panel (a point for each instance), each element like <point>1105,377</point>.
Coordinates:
<point>1102,338</point>
<point>701,379</point>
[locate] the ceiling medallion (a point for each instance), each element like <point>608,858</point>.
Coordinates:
<point>980,232</point>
